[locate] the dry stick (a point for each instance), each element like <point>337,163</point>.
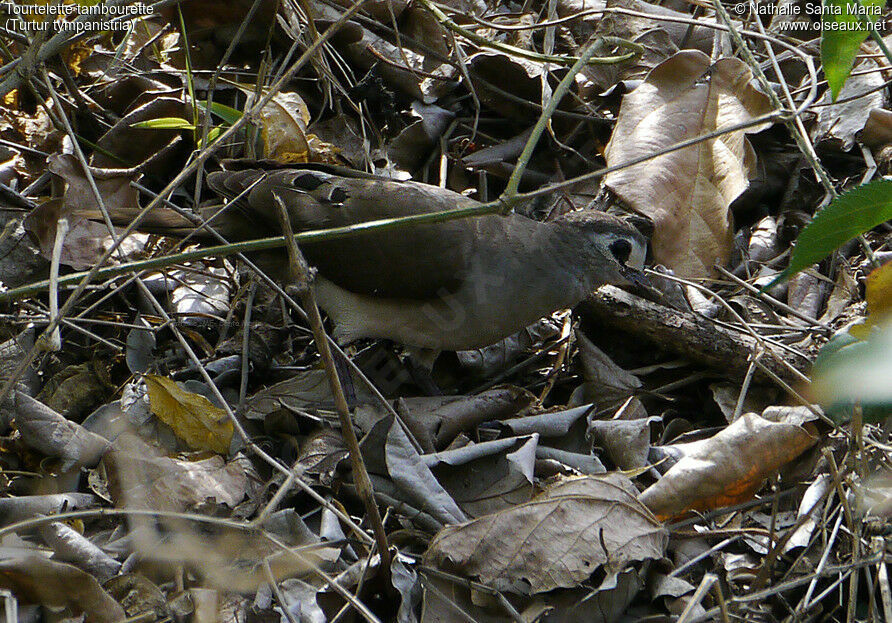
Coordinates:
<point>53,341</point>
<point>547,112</point>
<point>837,482</point>
<point>235,422</point>
<point>367,563</point>
<point>563,347</point>
<point>277,592</point>
<point>705,585</point>
<point>212,85</point>
<point>856,452</point>
<point>745,386</point>
<point>763,342</point>
<point>761,596</point>
<point>770,299</point>
<point>776,116</point>
<point>879,547</point>
<point>301,273</point>
<point>472,585</point>
<point>40,52</point>
<point>513,51</point>
<point>820,568</point>
<point>720,598</point>
<point>246,346</point>
<point>268,243</point>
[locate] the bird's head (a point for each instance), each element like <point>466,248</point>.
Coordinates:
<point>616,248</point>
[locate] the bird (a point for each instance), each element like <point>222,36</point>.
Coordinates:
<point>451,285</point>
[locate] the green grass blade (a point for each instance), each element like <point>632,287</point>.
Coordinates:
<point>228,114</point>
<point>164,123</point>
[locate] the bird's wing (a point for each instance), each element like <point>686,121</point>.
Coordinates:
<point>412,262</point>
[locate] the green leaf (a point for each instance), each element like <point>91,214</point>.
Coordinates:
<point>849,215</point>
<point>213,135</point>
<point>226,113</point>
<point>164,123</point>
<point>845,26</point>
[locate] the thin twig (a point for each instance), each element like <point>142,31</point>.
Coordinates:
<point>301,273</point>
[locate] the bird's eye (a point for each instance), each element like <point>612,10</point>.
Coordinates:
<point>621,250</point>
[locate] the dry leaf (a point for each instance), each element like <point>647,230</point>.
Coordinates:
<point>728,467</point>
<point>140,477</point>
<point>687,192</point>
<point>192,417</point>
<point>34,579</point>
<point>284,128</point>
<point>557,540</point>
<point>860,95</point>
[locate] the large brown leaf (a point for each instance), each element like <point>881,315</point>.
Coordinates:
<point>556,540</point>
<point>687,192</point>
<point>728,467</point>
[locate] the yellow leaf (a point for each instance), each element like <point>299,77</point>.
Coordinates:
<point>192,417</point>
<point>879,292</point>
<point>75,55</point>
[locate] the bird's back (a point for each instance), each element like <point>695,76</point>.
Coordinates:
<point>416,262</point>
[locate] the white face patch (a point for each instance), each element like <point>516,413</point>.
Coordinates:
<point>636,257</point>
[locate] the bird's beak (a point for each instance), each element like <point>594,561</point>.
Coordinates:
<point>633,270</point>
<point>635,276</point>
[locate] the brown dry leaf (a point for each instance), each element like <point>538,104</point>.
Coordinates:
<point>728,467</point>
<point>687,192</point>
<point>651,34</point>
<point>140,477</point>
<point>844,292</point>
<point>626,442</point>
<point>874,495</point>
<point>499,69</point>
<point>192,417</point>
<point>309,389</point>
<point>682,35</point>
<point>85,241</point>
<point>225,556</point>
<point>284,128</point>
<point>489,476</point>
<point>113,185</point>
<point>840,122</point>
<point>321,453</point>
<point>57,585</point>
<point>606,385</point>
<point>74,391</point>
<point>364,49</point>
<point>877,130</point>
<point>556,540</point>
<point>48,432</point>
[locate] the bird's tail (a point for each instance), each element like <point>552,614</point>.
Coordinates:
<point>230,223</point>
